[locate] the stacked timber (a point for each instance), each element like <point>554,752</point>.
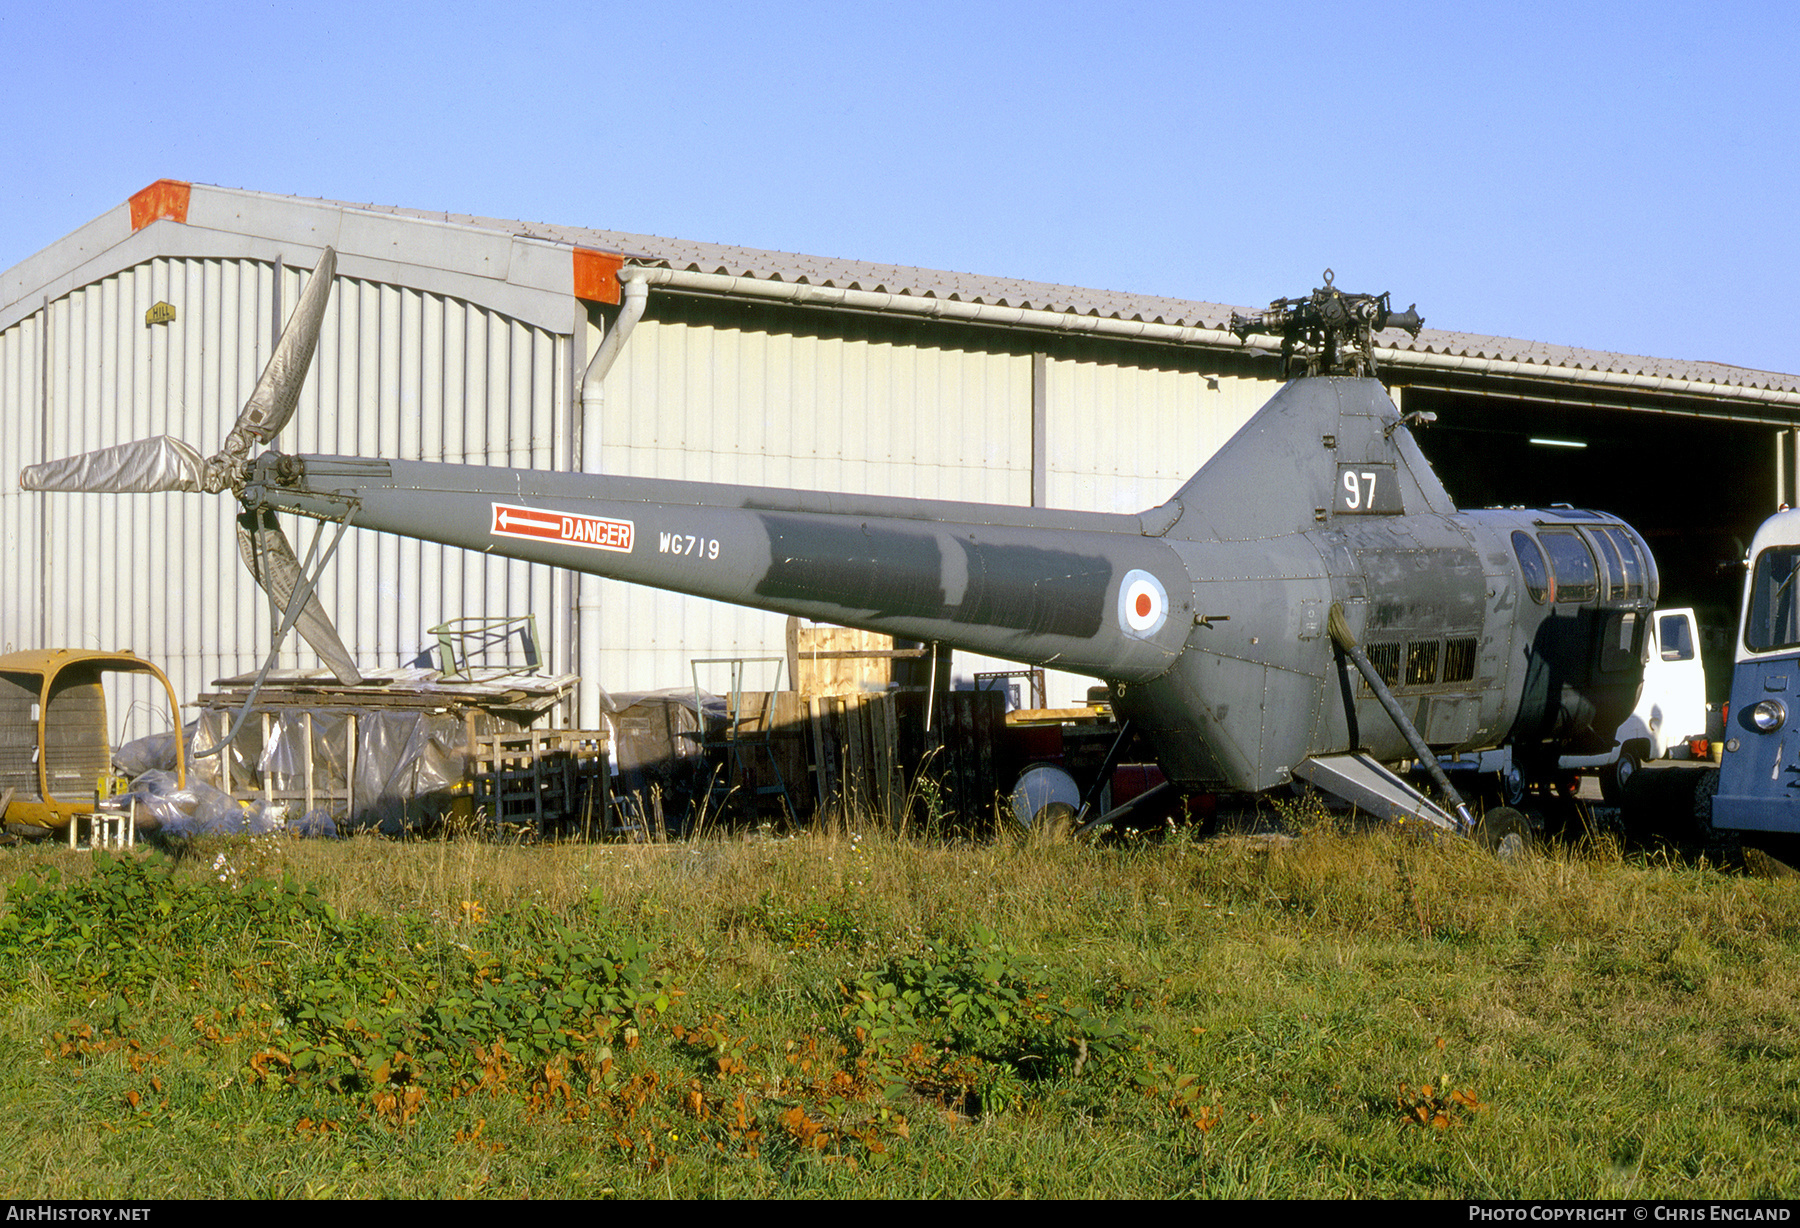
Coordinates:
<point>848,743</point>
<point>955,749</point>
<point>855,739</point>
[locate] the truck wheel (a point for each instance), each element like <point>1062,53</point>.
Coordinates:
<point>1721,846</point>
<point>1614,776</point>
<point>1705,789</point>
<point>1505,832</point>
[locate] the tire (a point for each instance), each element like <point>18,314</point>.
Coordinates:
<point>1705,789</point>
<point>1506,833</point>
<point>1616,775</point>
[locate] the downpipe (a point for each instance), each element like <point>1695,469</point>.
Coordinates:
<point>593,403</point>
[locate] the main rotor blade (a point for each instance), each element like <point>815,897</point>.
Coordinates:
<point>262,543</point>
<point>141,466</point>
<point>272,403</point>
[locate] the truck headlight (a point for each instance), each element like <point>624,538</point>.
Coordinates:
<point>1769,715</point>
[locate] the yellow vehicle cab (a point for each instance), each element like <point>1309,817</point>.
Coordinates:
<point>55,755</point>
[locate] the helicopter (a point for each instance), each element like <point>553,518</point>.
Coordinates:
<point>1310,606</point>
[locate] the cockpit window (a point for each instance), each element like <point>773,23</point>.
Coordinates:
<point>1774,617</point>
<point>1628,556</point>
<point>1640,565</point>
<point>1532,566</point>
<point>1610,563</point>
<point>1571,564</point>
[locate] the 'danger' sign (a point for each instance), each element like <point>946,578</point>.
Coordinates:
<point>537,524</point>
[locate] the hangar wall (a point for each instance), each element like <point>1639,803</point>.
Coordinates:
<point>884,412</point>
<point>399,373</point>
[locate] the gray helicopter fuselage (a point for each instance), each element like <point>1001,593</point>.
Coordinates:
<point>1207,616</point>
<point>1476,653</point>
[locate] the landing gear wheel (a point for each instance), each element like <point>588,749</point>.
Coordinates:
<point>1512,786</point>
<point>1506,833</point>
<point>1615,776</point>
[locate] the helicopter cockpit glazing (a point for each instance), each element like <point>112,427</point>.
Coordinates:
<point>1559,564</point>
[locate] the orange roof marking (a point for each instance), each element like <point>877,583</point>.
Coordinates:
<point>597,275</point>
<point>164,198</point>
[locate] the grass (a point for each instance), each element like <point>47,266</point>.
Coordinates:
<point>848,1014</point>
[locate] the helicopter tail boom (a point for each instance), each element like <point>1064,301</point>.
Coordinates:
<point>1089,593</point>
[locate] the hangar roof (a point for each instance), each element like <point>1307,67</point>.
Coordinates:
<point>733,261</point>
<point>517,262</point>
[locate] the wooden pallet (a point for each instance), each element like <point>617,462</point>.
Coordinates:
<point>854,743</point>
<point>550,779</point>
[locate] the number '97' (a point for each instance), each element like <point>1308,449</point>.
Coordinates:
<point>1359,489</point>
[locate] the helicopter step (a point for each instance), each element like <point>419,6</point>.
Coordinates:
<point>1373,788</point>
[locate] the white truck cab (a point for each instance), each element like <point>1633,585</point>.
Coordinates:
<point>1671,710</point>
<point>1668,721</point>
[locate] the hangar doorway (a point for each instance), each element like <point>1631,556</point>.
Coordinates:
<point>1695,487</point>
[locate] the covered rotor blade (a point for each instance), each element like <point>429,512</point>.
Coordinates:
<point>262,544</point>
<point>141,466</point>
<point>272,403</point>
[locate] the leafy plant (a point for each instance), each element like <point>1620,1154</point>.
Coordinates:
<point>454,1016</point>
<point>828,923</point>
<point>1437,1108</point>
<point>131,921</point>
<point>975,1000</point>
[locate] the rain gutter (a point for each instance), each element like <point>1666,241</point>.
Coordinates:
<point>635,293</point>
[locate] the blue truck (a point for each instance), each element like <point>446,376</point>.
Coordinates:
<point>1757,786</point>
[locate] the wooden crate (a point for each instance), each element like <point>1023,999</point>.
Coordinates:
<point>828,660</point>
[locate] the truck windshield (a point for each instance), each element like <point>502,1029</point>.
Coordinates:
<point>1773,620</point>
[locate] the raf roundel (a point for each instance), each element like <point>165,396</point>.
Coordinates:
<point>1143,604</point>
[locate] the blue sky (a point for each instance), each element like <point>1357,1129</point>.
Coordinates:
<point>1617,176</point>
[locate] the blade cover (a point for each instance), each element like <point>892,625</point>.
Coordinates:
<point>141,466</point>
<point>272,403</point>
<point>283,578</point>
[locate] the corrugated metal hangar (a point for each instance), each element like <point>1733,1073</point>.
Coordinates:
<point>507,343</point>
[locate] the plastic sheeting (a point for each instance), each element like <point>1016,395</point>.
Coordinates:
<point>199,809</point>
<point>400,769</point>
<point>395,770</point>
<point>314,823</point>
<point>154,753</point>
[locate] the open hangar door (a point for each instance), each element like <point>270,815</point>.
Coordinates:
<point>1696,487</point>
